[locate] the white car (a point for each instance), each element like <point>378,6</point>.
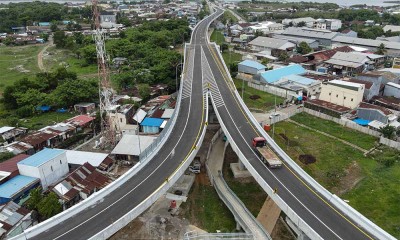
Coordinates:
<point>275,114</point>
<point>194,169</point>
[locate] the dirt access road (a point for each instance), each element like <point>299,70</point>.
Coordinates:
<point>40,54</point>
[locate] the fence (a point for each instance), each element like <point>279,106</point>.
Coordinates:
<point>389,142</point>
<point>273,90</point>
<point>332,198</point>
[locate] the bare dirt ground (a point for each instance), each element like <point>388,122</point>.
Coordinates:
<point>280,232</point>
<point>353,176</point>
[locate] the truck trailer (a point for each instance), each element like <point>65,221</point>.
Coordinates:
<point>265,153</point>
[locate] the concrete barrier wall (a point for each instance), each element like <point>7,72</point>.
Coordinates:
<point>389,142</point>
<point>273,90</point>
<point>128,217</point>
<point>282,205</point>
<point>341,205</point>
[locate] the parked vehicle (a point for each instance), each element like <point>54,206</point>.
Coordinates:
<point>265,153</point>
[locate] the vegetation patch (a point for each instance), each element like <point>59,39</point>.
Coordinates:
<point>370,186</point>
<point>307,159</point>
<point>357,138</point>
<point>254,97</point>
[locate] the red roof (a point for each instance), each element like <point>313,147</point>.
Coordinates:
<point>10,165</point>
<point>328,105</point>
<point>38,138</point>
<point>328,54</point>
<point>298,59</point>
<point>80,120</point>
<point>367,84</point>
<point>157,113</point>
<point>371,106</point>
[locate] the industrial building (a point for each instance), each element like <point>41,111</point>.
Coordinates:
<point>342,93</point>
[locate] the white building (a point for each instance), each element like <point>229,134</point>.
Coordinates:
<point>392,90</point>
<point>49,165</point>
<point>328,24</point>
<point>342,93</point>
<point>309,21</point>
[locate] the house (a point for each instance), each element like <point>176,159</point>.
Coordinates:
<point>378,77</point>
<point>251,67</point>
<point>309,21</point>
<point>372,112</point>
<point>392,28</point>
<point>168,113</point>
<point>392,48</point>
<point>19,147</point>
<point>10,133</point>
<point>68,194</point>
<point>10,168</point>
<point>151,125</point>
<point>123,116</point>
<point>87,180</point>
<point>308,86</point>
<point>327,24</point>
<point>264,27</point>
<point>312,43</point>
<point>267,45</point>
<point>131,146</point>
<point>387,102</point>
<point>326,107</point>
<point>80,121</point>
<point>349,33</point>
<point>342,93</point>
<point>348,63</point>
<point>108,20</point>
<point>371,88</point>
<point>317,59</point>
<point>369,23</point>
<point>85,108</point>
<point>40,140</point>
<point>392,90</point>
<point>63,131</point>
<point>139,116</point>
<point>49,165</point>
<point>324,37</point>
<point>272,76</point>
<point>97,160</point>
<point>13,219</point>
<point>17,189</point>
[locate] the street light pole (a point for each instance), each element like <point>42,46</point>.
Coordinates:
<point>176,75</point>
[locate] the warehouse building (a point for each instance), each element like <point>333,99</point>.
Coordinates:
<point>251,67</point>
<point>17,189</point>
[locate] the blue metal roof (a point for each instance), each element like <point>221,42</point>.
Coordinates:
<point>301,80</point>
<point>15,185</point>
<point>253,64</point>
<point>152,122</point>
<point>276,74</point>
<point>41,157</point>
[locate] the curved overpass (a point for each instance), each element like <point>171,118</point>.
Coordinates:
<point>317,213</point>
<point>154,178</point>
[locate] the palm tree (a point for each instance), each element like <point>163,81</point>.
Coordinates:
<point>381,49</point>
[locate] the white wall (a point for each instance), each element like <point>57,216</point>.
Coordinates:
<point>341,96</point>
<point>49,172</point>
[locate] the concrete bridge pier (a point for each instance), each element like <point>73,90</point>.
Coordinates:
<point>241,166</point>
<point>238,226</point>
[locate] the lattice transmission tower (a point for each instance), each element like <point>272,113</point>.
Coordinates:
<point>105,91</point>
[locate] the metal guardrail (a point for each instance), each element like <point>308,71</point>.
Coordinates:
<point>332,198</point>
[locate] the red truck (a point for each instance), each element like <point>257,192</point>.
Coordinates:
<point>265,153</point>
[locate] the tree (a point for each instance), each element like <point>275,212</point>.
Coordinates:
<point>265,61</point>
<point>258,33</point>
<point>71,92</point>
<point>388,131</point>
<point>35,197</point>
<point>381,49</point>
<point>59,39</point>
<point>49,206</point>
<point>144,90</point>
<point>224,47</point>
<point>303,48</point>
<point>301,24</point>
<point>5,156</point>
<point>283,57</point>
<point>54,27</point>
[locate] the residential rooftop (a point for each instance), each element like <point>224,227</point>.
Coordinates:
<point>42,157</point>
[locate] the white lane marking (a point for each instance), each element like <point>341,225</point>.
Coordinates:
<point>271,171</point>
<point>187,120</point>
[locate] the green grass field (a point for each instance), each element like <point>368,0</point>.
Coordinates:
<point>371,188</point>
<point>61,57</point>
<point>205,210</point>
<point>265,102</point>
<point>18,62</point>
<point>217,37</point>
<point>39,120</point>
<point>360,139</point>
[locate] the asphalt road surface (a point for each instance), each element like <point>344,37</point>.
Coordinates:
<point>185,134</point>
<point>327,221</point>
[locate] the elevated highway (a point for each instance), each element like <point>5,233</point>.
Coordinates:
<point>112,208</point>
